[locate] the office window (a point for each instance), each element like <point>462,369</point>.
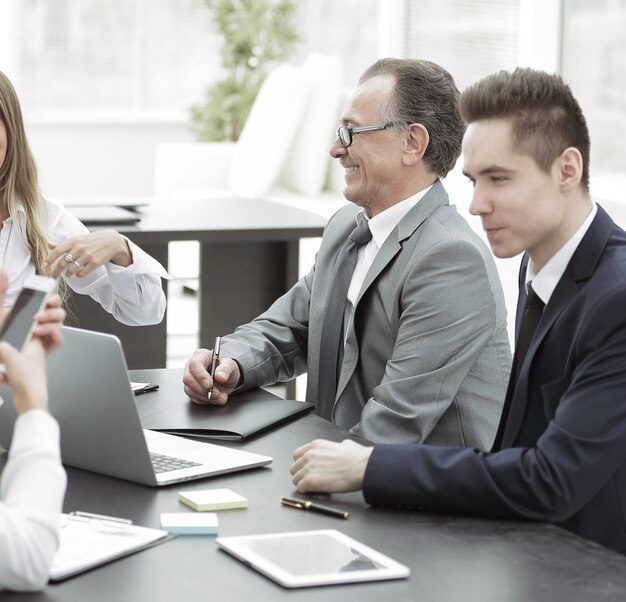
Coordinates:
<point>594,63</point>
<point>348,29</point>
<point>470,38</point>
<point>102,56</point>
<point>113,54</point>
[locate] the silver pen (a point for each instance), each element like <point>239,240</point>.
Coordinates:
<point>215,361</point>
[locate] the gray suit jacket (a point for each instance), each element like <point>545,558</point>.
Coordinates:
<point>427,356</point>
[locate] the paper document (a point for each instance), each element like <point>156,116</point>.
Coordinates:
<point>89,540</point>
<point>139,388</point>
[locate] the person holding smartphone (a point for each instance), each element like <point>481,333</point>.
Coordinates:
<point>38,236</point>
<point>32,484</point>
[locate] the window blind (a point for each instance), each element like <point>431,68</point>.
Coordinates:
<point>114,54</point>
<point>594,64</point>
<point>469,38</point>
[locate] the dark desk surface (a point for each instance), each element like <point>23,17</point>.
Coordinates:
<point>451,558</point>
<point>223,221</point>
<point>249,257</point>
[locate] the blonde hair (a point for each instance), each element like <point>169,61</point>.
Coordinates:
<point>19,186</point>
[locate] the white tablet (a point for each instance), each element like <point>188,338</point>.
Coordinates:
<point>308,558</point>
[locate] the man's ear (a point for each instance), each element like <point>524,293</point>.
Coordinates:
<point>570,164</point>
<point>415,143</point>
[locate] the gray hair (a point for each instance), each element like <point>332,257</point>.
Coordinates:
<point>424,93</point>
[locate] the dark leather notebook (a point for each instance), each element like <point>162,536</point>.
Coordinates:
<point>242,417</point>
<point>96,216</point>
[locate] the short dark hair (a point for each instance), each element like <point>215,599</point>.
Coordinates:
<point>546,118</point>
<point>425,93</point>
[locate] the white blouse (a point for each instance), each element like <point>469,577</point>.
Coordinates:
<point>133,294</point>
<point>32,487</point>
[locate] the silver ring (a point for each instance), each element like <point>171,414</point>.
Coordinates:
<point>69,257</point>
<point>80,267</point>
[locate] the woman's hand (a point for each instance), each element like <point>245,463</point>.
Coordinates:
<point>48,321</point>
<point>26,375</point>
<point>81,255</point>
<point>48,335</point>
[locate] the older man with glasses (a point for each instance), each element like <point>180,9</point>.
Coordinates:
<point>401,324</point>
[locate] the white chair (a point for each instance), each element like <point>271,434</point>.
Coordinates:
<point>282,153</point>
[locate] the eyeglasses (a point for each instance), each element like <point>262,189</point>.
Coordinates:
<point>345,133</point>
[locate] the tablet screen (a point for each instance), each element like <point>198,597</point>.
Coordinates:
<point>308,558</point>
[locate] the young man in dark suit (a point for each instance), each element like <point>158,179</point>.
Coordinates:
<point>560,451</point>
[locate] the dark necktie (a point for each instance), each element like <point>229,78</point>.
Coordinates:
<point>530,319</point>
<point>534,422</point>
<point>332,327</point>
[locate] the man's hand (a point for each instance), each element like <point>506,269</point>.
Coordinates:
<point>327,467</point>
<point>198,382</point>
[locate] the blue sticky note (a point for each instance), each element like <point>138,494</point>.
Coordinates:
<point>190,523</point>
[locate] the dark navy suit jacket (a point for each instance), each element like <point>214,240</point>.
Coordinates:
<point>574,475</point>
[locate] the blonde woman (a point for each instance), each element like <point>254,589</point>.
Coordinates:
<point>38,236</point>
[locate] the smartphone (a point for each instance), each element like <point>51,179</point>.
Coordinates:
<point>18,325</point>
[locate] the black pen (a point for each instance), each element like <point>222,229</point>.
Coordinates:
<point>305,505</point>
<point>215,361</point>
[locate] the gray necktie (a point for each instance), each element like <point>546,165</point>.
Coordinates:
<point>332,327</point>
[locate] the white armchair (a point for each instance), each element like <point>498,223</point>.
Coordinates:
<point>282,153</point>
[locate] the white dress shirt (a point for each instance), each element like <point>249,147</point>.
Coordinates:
<point>381,226</point>
<point>32,487</point>
<point>133,294</point>
<point>545,281</point>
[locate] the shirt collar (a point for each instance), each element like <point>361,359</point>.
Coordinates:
<point>545,281</point>
<point>382,224</point>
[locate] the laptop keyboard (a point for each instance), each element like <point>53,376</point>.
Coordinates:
<point>163,463</point>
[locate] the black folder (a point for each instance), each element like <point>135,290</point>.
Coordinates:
<point>244,416</point>
<point>101,216</point>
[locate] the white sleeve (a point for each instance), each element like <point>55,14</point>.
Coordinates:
<point>32,487</point>
<point>133,294</point>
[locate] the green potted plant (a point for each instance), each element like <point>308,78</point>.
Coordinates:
<point>256,34</point>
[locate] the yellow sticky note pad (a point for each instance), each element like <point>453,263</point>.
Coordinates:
<point>212,499</point>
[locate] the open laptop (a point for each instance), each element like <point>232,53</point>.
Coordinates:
<point>91,397</point>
